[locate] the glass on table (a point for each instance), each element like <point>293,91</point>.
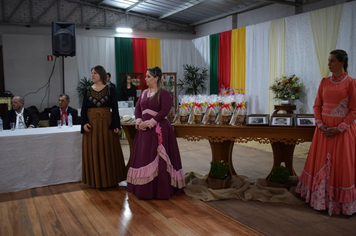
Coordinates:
<point>12,126</point>
<point>59,123</point>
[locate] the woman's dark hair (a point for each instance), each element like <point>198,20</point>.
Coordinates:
<point>341,56</point>
<point>157,72</point>
<point>102,73</point>
<point>124,82</point>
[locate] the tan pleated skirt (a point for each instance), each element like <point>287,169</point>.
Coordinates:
<point>103,162</point>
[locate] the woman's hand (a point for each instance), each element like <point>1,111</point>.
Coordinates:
<point>116,130</point>
<point>332,132</point>
<point>143,125</point>
<point>324,128</point>
<point>87,127</point>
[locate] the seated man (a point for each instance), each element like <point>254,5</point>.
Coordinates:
<point>61,112</point>
<point>22,117</point>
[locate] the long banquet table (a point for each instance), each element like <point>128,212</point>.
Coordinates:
<point>223,137</point>
<point>39,157</point>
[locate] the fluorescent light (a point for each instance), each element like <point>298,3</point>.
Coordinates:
<point>124,30</point>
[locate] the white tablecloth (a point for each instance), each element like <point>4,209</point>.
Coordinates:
<point>126,111</point>
<point>39,157</point>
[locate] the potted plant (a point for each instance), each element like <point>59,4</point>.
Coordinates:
<point>218,177</point>
<point>194,80</point>
<point>279,177</point>
<point>83,84</point>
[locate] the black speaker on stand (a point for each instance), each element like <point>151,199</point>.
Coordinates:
<point>63,42</point>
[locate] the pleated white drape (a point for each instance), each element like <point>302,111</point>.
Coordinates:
<point>257,67</point>
<point>92,51</point>
<point>301,59</point>
<point>276,56</point>
<point>325,27</point>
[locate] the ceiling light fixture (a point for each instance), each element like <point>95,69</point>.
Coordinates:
<point>124,30</point>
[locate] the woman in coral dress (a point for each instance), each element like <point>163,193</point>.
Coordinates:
<point>155,169</point>
<point>329,176</point>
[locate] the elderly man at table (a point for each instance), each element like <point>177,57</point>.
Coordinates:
<point>22,117</point>
<point>61,112</point>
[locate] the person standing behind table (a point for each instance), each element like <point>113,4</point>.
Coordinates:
<point>155,169</point>
<point>102,158</point>
<point>108,78</point>
<point>329,175</point>
<point>62,111</point>
<point>22,117</point>
<point>128,90</point>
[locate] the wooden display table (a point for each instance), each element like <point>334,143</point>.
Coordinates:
<point>223,137</point>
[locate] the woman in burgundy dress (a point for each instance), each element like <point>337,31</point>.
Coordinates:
<point>155,168</point>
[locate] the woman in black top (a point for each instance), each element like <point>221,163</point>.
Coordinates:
<point>128,90</point>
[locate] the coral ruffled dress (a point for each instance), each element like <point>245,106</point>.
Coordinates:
<point>155,168</point>
<point>329,176</point>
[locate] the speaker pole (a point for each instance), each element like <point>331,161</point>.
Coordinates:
<point>63,75</point>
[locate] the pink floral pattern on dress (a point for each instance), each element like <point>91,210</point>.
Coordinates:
<point>319,196</point>
<point>159,134</point>
<point>342,110</point>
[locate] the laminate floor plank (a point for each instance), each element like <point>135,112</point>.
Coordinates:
<point>76,209</point>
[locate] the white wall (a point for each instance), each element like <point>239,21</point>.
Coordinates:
<point>26,69</point>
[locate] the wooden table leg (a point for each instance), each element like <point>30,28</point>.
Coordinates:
<point>283,153</point>
<point>130,135</point>
<point>223,151</point>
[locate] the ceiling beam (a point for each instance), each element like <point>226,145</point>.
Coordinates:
<point>15,9</point>
<point>296,3</point>
<point>183,7</point>
<point>232,12</point>
<point>134,5</point>
<point>45,11</point>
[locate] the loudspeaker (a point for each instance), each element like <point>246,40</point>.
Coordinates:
<point>63,39</point>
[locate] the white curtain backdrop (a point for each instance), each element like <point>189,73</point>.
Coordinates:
<point>201,56</point>
<point>175,53</point>
<point>325,27</point>
<point>301,59</point>
<point>92,51</point>
<point>300,56</point>
<point>347,35</point>
<point>277,56</point>
<point>257,67</point>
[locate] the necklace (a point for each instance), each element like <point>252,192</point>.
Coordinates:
<point>151,93</point>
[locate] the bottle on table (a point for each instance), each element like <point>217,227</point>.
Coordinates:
<point>70,120</point>
<point>1,124</point>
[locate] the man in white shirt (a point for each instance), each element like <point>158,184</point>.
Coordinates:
<point>23,118</point>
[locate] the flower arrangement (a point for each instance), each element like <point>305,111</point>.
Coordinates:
<point>287,88</point>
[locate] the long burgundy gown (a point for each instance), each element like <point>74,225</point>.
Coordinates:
<point>155,169</point>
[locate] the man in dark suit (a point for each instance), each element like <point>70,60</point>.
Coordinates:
<point>22,118</point>
<point>61,113</point>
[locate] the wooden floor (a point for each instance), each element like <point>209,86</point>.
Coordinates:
<point>76,209</point>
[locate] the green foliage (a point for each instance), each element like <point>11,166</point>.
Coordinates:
<point>219,169</point>
<point>193,81</point>
<point>83,84</point>
<point>280,174</point>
